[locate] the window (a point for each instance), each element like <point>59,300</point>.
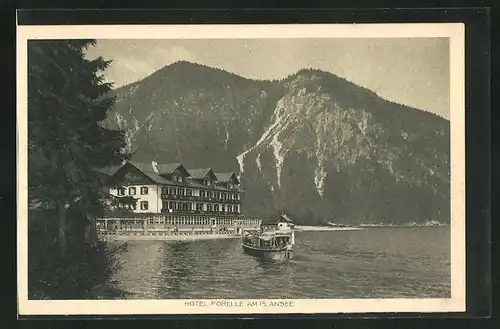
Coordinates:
<point>209,194</point>
<point>121,191</point>
<point>174,191</point>
<point>236,208</point>
<point>223,208</point>
<point>164,190</point>
<point>209,207</point>
<point>229,208</point>
<point>216,207</point>
<point>199,206</point>
<point>131,190</point>
<point>202,193</point>
<point>189,192</point>
<point>180,191</point>
<point>133,206</point>
<point>144,205</point>
<point>144,190</point>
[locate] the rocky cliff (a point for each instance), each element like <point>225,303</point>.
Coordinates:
<point>314,145</point>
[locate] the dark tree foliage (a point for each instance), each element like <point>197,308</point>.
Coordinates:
<point>119,206</point>
<point>67,102</point>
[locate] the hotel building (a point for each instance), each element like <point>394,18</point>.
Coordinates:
<point>170,188</point>
<point>170,198</point>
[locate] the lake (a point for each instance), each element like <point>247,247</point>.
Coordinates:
<point>368,263</point>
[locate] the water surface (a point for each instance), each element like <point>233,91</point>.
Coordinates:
<point>370,263</point>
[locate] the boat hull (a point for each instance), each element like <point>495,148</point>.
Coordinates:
<point>278,256</point>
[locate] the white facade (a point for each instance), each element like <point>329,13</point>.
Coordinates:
<point>283,226</point>
<point>206,206</point>
<point>148,197</point>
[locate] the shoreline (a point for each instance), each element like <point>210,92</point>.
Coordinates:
<point>403,226</point>
<point>192,237</point>
<point>306,228</point>
<point>156,236</point>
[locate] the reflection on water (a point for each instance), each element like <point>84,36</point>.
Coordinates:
<point>373,263</point>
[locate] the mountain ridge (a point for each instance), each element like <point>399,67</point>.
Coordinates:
<point>185,63</point>
<point>312,131</point>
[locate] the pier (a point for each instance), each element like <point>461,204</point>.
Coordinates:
<point>175,227</point>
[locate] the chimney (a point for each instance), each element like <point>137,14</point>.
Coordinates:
<point>154,164</point>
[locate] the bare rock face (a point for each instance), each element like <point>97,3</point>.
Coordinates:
<point>314,145</point>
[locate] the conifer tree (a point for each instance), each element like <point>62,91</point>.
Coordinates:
<point>68,100</point>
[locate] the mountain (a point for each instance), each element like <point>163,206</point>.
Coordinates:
<point>314,145</point>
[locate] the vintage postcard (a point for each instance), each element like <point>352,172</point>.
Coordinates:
<point>241,169</point>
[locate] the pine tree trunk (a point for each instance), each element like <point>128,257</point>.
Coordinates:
<point>91,232</point>
<point>63,226</point>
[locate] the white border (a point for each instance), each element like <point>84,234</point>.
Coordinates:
<point>454,31</point>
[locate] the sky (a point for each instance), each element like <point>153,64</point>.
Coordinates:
<point>410,71</point>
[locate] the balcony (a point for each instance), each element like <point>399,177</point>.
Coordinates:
<point>178,197</point>
<point>174,197</point>
<point>199,212</point>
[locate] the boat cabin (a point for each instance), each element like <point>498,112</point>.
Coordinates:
<point>282,223</point>
<point>269,240</point>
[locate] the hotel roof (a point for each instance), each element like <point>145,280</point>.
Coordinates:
<point>168,168</point>
<point>199,173</point>
<point>165,169</point>
<point>147,169</point>
<point>224,176</point>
